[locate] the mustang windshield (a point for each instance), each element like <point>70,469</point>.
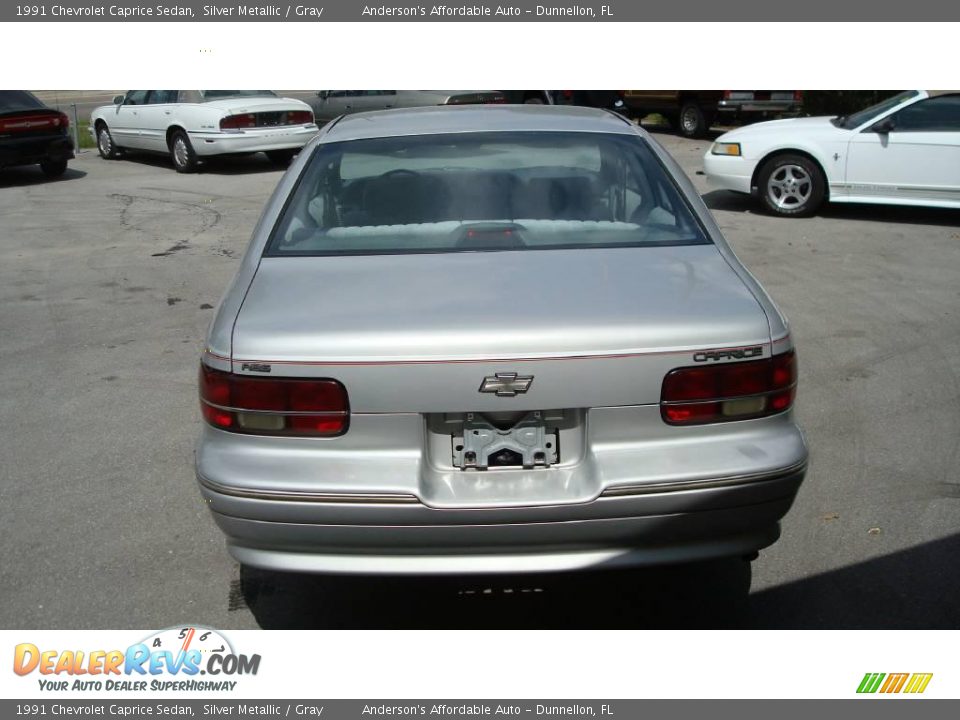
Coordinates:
<point>849,122</point>
<point>483,191</point>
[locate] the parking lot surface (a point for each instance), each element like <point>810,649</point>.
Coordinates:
<point>109,277</point>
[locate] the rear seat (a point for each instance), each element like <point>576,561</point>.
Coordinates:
<point>568,198</point>
<point>397,199</point>
<point>402,198</point>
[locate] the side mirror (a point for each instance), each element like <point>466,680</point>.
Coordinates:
<point>323,94</point>
<point>118,99</point>
<point>883,126</point>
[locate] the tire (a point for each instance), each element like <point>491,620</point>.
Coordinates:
<point>791,185</point>
<point>53,168</point>
<point>181,153</point>
<point>281,158</point>
<point>105,145</point>
<point>692,123</point>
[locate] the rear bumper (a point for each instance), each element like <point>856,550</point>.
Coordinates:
<point>32,150</point>
<point>672,522</point>
<point>256,140</point>
<point>763,108</point>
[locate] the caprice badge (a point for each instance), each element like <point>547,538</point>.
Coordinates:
<point>730,354</point>
<point>507,384</point>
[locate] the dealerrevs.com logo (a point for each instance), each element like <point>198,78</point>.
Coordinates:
<point>172,659</point>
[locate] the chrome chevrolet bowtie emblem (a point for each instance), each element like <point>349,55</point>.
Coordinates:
<point>506,384</point>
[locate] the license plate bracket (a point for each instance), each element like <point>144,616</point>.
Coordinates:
<point>528,444</point>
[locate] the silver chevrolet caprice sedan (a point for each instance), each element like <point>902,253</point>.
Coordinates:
<point>494,339</point>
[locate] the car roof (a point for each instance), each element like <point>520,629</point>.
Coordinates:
<point>475,118</point>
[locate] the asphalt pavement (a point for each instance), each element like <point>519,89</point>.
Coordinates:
<point>108,279</point>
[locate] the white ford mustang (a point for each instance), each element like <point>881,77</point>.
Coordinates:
<point>190,124</point>
<point>903,151</point>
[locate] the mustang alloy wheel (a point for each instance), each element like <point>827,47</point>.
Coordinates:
<point>792,185</point>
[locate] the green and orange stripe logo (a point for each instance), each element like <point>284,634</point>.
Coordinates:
<point>913,683</point>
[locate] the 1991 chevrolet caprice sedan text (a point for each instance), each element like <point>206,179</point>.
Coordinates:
<point>494,339</point>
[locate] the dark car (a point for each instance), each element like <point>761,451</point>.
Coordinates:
<point>31,134</point>
<point>602,99</point>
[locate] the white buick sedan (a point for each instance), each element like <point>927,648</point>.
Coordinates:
<point>902,151</point>
<point>192,124</point>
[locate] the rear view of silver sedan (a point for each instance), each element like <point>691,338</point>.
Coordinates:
<point>494,339</point>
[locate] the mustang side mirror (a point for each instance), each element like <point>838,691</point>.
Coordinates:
<point>118,99</point>
<point>883,126</point>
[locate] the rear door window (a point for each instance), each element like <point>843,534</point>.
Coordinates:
<point>135,97</point>
<point>162,97</point>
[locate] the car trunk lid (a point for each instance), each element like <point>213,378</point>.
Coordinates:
<point>239,105</point>
<point>422,333</point>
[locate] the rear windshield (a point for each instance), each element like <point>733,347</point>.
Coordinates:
<point>483,191</point>
<point>220,94</point>
<point>16,100</point>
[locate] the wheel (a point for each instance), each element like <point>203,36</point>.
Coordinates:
<point>692,123</point>
<point>791,185</point>
<point>53,168</point>
<point>105,145</point>
<point>182,154</point>
<point>281,157</point>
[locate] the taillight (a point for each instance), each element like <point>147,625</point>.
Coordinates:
<point>245,121</point>
<point>731,391</point>
<point>299,117</point>
<point>273,406</point>
<point>33,123</point>
<point>238,122</point>
<point>798,95</point>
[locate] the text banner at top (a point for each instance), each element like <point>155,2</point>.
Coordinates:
<point>517,11</point>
